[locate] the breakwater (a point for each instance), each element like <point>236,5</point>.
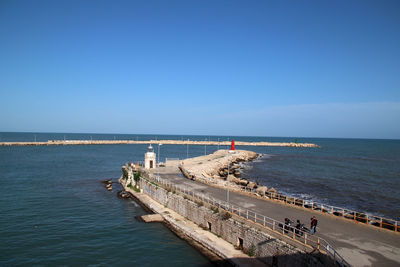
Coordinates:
<point>164,142</point>
<point>222,169</point>
<point>210,224</point>
<point>269,207</point>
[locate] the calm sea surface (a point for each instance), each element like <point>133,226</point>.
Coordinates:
<point>54,210</point>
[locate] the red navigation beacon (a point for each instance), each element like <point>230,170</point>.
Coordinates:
<point>233,145</point>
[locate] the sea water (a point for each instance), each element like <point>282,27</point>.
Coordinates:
<point>55,211</point>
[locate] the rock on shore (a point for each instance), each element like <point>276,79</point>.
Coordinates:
<point>213,168</point>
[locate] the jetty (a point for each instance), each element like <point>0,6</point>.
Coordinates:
<point>163,142</point>
<point>349,242</point>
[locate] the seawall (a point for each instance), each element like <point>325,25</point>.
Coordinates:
<point>211,225</point>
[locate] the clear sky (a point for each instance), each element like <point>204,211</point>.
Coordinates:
<point>265,68</point>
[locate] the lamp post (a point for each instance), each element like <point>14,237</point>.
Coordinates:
<point>187,149</point>
<point>158,160</point>
<point>158,155</point>
<point>227,183</point>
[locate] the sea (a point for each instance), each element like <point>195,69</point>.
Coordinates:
<point>56,212</point>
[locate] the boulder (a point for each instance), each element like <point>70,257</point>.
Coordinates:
<point>234,167</point>
<point>261,190</point>
<point>124,194</point>
<point>243,182</point>
<point>233,179</point>
<point>107,181</point>
<point>272,190</point>
<point>252,185</point>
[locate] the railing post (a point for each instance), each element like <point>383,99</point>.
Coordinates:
<point>255,217</point>
<point>312,205</point>
<point>318,243</point>
<point>305,238</point>
<point>247,214</point>
<point>381,222</point>
<point>294,234</point>
<point>264,221</point>
<point>397,224</point>
<point>273,225</point>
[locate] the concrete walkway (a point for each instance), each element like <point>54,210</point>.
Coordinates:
<point>359,244</point>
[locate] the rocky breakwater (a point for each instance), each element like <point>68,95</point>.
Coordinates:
<point>223,166</point>
<point>219,167</point>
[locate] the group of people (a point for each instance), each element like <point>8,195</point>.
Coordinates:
<point>300,226</point>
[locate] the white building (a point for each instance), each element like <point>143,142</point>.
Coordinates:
<point>150,158</point>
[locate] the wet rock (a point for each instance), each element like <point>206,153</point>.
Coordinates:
<point>124,194</point>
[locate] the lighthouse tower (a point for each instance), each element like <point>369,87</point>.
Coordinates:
<point>150,158</point>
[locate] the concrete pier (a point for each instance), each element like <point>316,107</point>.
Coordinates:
<point>358,243</point>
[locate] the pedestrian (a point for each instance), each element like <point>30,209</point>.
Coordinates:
<point>313,227</point>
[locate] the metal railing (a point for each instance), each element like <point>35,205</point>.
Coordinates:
<point>293,233</point>
<point>356,216</point>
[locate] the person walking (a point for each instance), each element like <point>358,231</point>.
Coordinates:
<point>314,223</point>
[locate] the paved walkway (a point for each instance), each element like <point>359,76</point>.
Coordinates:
<point>359,244</point>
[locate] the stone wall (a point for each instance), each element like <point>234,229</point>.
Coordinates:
<point>237,231</point>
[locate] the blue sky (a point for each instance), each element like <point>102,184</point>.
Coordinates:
<point>266,68</point>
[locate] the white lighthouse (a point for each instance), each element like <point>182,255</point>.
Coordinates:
<point>150,158</point>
